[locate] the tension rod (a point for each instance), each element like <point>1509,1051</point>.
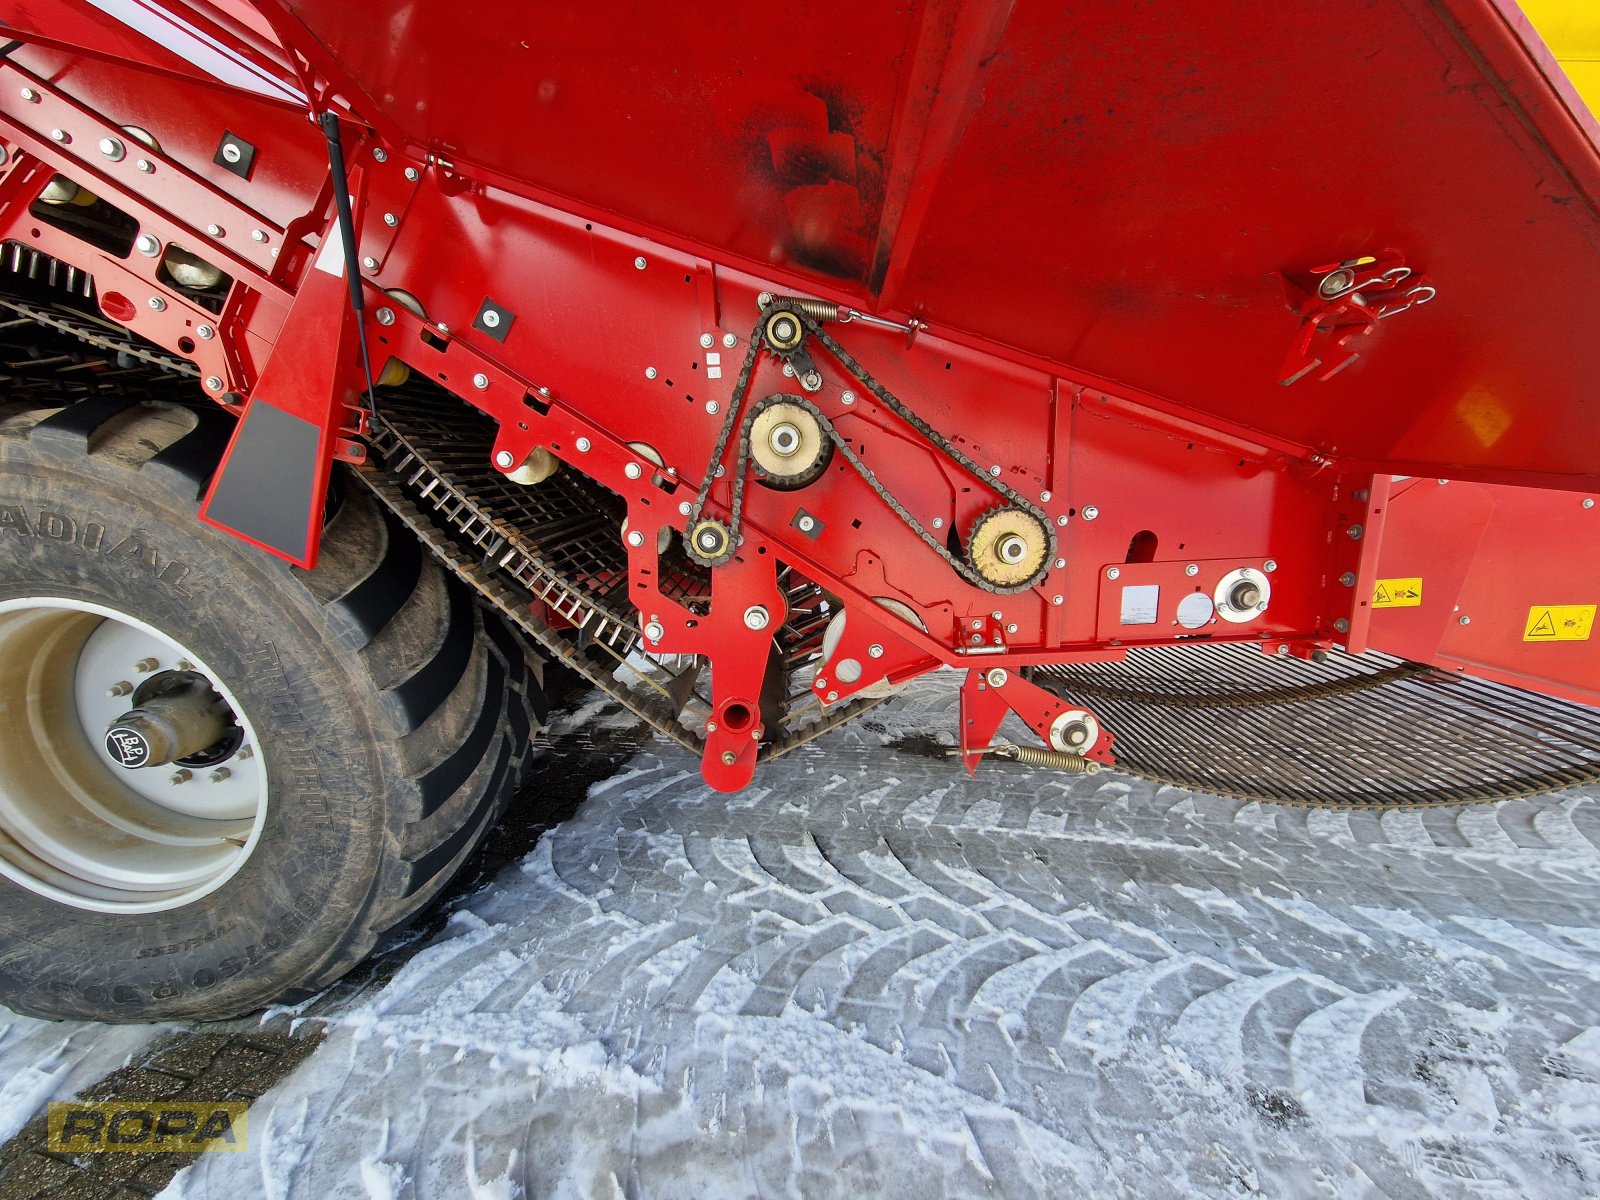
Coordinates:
<point>347,241</point>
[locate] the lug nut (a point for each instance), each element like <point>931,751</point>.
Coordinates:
<point>219,775</point>
<point>122,688</point>
<point>181,775</point>
<point>145,665</point>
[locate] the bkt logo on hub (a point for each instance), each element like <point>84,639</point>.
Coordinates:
<point>145,1126</point>
<point>128,747</point>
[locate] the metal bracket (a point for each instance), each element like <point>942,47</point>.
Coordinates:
<point>1341,302</point>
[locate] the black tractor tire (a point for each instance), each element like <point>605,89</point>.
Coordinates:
<point>394,716</point>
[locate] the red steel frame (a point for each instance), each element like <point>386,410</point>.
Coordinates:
<point>606,349</point>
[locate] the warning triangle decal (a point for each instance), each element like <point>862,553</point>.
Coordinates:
<point>1543,627</point>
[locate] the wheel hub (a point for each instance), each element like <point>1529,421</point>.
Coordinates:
<point>92,813</point>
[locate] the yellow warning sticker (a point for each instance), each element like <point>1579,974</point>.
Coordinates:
<point>1559,623</point>
<point>1397,593</point>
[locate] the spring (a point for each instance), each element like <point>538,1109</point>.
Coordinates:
<point>820,311</point>
<point>1032,756</point>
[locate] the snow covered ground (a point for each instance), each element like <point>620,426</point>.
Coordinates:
<point>872,976</point>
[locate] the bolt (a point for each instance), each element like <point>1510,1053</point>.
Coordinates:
<point>729,758</point>
<point>997,677</point>
<point>713,407</point>
<point>764,299</point>
<point>113,149</point>
<point>654,632</point>
<point>1348,579</point>
<point>640,263</point>
<point>390,220</point>
<point>832,696</point>
<point>819,683</point>
<point>788,370</point>
<point>730,340</point>
<point>1191,570</point>
<point>1355,532</point>
<point>977,623</point>
<point>412,174</point>
<point>480,381</point>
<point>145,665</point>
<point>219,775</point>
<point>938,522</point>
<point>371,264</point>
<point>1442,482</point>
<point>633,470</point>
<point>583,445</point>
<point>157,304</point>
<point>380,154</point>
<point>1057,600</point>
<point>504,460</point>
<point>147,245</point>
<point>707,341</point>
<point>848,398</point>
<point>490,319</point>
<point>181,775</point>
<point>122,688</point>
<point>1059,563</point>
<point>874,651</point>
<point>711,726</point>
<point>806,523</point>
<point>756,617</point>
<point>977,639</point>
<point>385,316</point>
<point>1588,503</point>
<point>1465,620</point>
<point>1270,565</point>
<point>443,328</point>
<point>1113,572</point>
<point>31,96</point>
<point>1044,497</point>
<point>1341,625</point>
<point>206,333</point>
<point>60,135</point>
<point>995,470</point>
<point>1359,494</point>
<point>635,538</point>
<point>1062,519</point>
<point>232,153</point>
<point>144,165</point>
<point>685,508</point>
<point>1335,282</point>
<point>1090,512</point>
<point>213,383</point>
<point>214,230</point>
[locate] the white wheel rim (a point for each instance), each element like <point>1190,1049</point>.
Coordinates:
<point>77,827</point>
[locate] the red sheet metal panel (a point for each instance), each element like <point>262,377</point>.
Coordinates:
<point>1102,186</point>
